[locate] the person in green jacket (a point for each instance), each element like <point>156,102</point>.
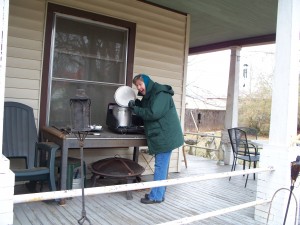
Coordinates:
<point>162,128</point>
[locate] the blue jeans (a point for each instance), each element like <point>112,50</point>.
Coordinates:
<point>160,173</point>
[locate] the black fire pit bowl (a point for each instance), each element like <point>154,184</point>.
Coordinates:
<point>119,168</point>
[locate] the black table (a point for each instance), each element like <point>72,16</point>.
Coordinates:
<point>106,139</point>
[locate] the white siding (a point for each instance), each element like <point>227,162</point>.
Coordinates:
<point>160,48</point>
<point>24,53</point>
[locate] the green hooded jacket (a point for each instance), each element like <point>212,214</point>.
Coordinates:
<point>161,122</point>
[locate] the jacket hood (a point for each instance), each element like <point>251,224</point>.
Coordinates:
<point>156,87</point>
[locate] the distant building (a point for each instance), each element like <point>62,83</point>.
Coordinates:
<point>204,114</point>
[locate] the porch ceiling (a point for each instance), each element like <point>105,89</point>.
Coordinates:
<point>218,24</point>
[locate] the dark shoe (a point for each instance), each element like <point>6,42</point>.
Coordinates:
<point>147,197</point>
<point>148,201</point>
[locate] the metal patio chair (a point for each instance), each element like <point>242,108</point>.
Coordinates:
<point>241,150</point>
<point>252,134</point>
<point>20,141</point>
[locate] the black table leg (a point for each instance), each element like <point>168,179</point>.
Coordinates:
<point>136,152</point>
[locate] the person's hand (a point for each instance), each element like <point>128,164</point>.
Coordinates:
<point>131,104</point>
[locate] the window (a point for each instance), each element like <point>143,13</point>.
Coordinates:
<point>83,51</point>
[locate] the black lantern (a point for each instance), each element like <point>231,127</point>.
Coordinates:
<point>295,169</point>
<point>80,107</point>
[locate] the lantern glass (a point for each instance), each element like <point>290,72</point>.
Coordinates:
<point>80,108</point>
<point>295,169</point>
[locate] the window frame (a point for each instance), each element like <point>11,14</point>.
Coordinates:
<point>52,9</point>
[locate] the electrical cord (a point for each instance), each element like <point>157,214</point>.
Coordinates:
<point>290,190</point>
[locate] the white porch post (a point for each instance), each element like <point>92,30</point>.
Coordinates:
<point>6,176</point>
<point>280,151</point>
<point>231,117</point>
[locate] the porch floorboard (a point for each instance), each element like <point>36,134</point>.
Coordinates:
<point>181,201</point>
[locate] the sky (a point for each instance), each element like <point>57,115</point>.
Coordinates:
<point>207,74</point>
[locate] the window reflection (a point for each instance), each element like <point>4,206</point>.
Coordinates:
<point>89,52</point>
<point>90,56</point>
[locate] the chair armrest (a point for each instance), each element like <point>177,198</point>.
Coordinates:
<point>45,154</point>
<point>253,146</point>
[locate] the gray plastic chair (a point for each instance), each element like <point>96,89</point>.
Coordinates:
<point>20,140</point>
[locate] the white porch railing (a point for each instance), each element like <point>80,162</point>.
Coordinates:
<point>129,187</point>
<point>216,213</point>
<point>143,185</point>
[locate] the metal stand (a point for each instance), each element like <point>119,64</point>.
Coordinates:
<point>81,135</point>
<point>291,193</point>
<point>288,204</point>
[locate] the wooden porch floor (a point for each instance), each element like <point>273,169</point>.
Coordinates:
<point>182,200</point>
